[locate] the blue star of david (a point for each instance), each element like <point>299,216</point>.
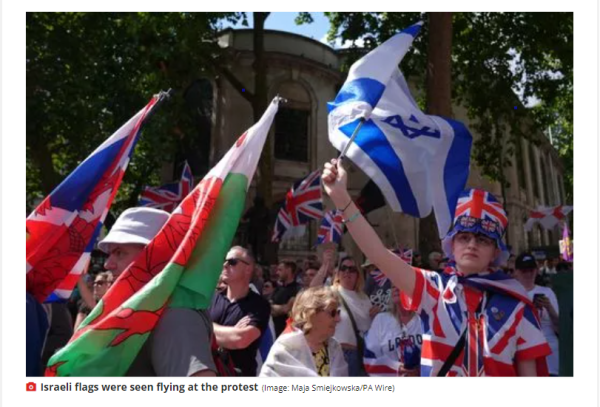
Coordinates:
<point>411,132</point>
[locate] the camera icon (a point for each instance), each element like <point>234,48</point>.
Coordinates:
<point>31,386</point>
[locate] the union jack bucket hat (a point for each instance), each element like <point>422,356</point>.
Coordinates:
<point>478,211</point>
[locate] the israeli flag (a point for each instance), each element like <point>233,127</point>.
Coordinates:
<point>419,162</point>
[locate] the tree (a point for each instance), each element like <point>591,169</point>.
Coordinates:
<point>439,101</point>
<point>256,95</point>
<point>493,56</point>
<point>87,73</point>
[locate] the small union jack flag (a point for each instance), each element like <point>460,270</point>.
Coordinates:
<point>168,196</point>
<point>302,203</point>
<point>332,228</point>
<point>379,277</point>
<point>407,256</point>
<point>479,204</point>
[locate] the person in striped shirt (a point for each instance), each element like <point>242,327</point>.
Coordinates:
<point>477,321</point>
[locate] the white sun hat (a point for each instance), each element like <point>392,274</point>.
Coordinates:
<point>135,225</point>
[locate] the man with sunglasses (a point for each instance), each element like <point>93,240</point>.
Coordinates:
<point>284,295</point>
<point>239,315</point>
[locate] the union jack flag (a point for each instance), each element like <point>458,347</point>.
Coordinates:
<point>379,277</point>
<point>168,196</point>
<point>501,326</point>
<point>302,203</point>
<point>476,203</point>
<point>332,228</point>
<point>63,229</point>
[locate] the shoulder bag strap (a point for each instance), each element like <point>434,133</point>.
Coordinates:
<point>351,319</point>
<point>461,342</point>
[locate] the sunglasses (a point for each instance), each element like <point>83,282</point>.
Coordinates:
<point>333,313</point>
<point>349,269</point>
<point>234,262</point>
<point>465,238</point>
<point>98,283</point>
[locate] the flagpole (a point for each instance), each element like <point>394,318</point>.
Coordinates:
<point>354,134</point>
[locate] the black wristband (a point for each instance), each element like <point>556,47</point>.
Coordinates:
<point>347,206</point>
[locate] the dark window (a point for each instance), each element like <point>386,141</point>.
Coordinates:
<point>545,186</point>
<point>534,172</point>
<point>291,135</point>
<point>561,198</point>
<point>520,164</point>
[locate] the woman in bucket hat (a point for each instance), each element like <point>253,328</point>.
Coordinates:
<point>477,321</point>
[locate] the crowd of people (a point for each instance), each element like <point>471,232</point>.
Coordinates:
<point>459,313</point>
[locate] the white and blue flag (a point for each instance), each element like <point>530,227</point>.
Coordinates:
<point>419,162</point>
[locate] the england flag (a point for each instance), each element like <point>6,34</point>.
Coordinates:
<point>419,162</point>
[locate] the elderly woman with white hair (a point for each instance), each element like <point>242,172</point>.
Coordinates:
<point>307,347</point>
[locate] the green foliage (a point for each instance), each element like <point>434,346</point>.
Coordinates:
<point>88,73</point>
<point>494,55</point>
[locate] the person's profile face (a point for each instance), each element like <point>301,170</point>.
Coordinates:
<point>101,286</point>
<point>324,322</point>
<point>120,256</point>
<point>268,288</point>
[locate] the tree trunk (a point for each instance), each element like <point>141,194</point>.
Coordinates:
<point>439,102</point>
<point>42,158</point>
<point>259,105</point>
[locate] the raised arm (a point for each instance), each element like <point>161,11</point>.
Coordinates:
<point>321,276</point>
<point>335,183</point>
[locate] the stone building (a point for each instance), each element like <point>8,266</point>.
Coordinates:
<point>307,73</point>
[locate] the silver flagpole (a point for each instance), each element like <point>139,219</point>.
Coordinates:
<point>354,134</point>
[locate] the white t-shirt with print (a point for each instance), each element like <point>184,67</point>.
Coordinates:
<point>547,327</point>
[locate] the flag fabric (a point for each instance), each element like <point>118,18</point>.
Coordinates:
<point>63,229</point>
<point>332,228</point>
<point>506,330</point>
<point>378,277</point>
<point>479,204</point>
<point>419,162</point>
<point>547,217</point>
<point>179,268</point>
<point>407,256</point>
<point>566,244</point>
<point>303,202</point>
<point>168,196</point>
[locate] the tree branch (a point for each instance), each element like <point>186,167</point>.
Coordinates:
<point>236,83</point>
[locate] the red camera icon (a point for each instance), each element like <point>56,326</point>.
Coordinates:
<point>31,386</point>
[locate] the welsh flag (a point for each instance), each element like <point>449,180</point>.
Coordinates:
<point>179,268</point>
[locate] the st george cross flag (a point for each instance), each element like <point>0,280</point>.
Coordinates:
<point>548,217</point>
<point>303,202</point>
<point>168,196</point>
<point>332,228</point>
<point>179,268</point>
<point>419,162</point>
<point>63,229</point>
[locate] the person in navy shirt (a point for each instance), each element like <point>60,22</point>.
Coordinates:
<point>239,315</point>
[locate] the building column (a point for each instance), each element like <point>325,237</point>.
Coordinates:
<point>543,198</point>
<point>514,223</point>
<point>528,176</point>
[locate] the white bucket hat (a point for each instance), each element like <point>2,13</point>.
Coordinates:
<point>135,225</point>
